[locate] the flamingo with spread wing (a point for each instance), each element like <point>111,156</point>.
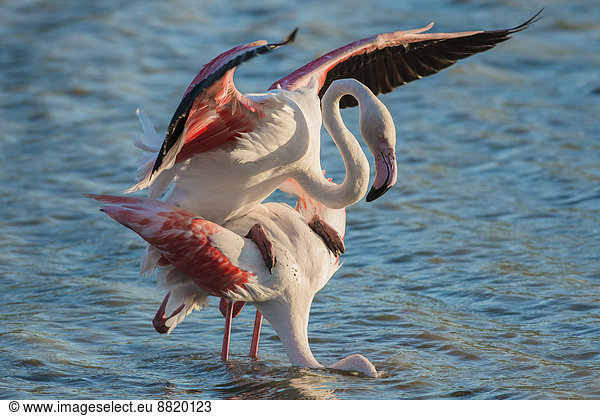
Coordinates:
<point>225,152</point>
<point>182,295</point>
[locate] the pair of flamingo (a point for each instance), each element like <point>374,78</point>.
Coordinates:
<point>225,152</point>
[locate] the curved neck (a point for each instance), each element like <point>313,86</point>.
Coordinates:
<point>356,182</point>
<point>289,318</point>
<point>288,315</point>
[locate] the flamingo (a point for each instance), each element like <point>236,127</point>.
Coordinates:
<point>215,260</point>
<point>182,295</point>
<point>224,152</point>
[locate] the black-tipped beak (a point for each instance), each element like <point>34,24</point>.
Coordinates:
<point>385,174</point>
<point>375,193</point>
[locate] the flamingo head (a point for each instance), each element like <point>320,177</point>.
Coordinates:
<point>356,363</point>
<point>378,131</point>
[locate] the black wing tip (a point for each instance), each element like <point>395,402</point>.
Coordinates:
<point>536,17</point>
<point>292,36</point>
<point>289,39</point>
<point>179,119</point>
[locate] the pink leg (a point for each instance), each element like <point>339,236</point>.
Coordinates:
<point>256,334</point>
<point>227,332</point>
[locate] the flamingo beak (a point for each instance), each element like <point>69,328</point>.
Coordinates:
<point>385,172</point>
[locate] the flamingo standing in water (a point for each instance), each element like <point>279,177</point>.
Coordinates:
<point>183,296</point>
<point>225,152</point>
<point>214,260</point>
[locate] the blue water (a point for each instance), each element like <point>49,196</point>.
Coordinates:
<point>477,276</point>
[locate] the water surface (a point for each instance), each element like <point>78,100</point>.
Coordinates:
<point>477,276</point>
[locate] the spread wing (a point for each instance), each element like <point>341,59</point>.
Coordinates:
<point>389,60</point>
<point>184,240</point>
<point>212,110</point>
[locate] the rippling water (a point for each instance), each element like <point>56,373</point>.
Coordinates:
<point>477,276</point>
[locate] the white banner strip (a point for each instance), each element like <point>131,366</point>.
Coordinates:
<point>290,407</point>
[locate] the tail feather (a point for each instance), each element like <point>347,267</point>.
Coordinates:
<point>154,141</point>
<point>160,183</point>
<point>146,161</point>
<point>169,277</point>
<point>149,261</point>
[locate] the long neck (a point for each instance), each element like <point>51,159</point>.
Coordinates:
<point>289,318</point>
<point>289,315</point>
<point>356,182</point>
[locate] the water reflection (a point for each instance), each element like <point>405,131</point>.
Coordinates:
<point>256,381</point>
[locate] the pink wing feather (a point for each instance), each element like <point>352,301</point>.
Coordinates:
<point>212,111</point>
<point>183,239</point>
